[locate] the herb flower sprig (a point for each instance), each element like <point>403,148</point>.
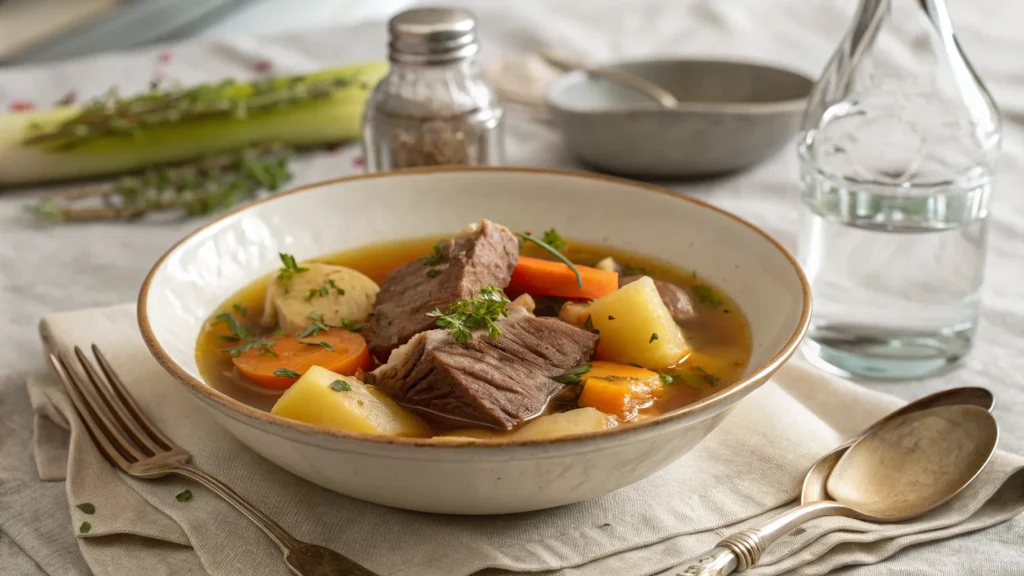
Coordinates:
<point>483,310</point>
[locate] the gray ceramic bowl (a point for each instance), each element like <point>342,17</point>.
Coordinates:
<point>732,115</point>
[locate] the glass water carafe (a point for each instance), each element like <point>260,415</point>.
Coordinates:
<point>897,150</point>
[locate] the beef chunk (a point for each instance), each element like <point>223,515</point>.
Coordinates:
<point>676,298</point>
<point>467,264</point>
<point>484,383</point>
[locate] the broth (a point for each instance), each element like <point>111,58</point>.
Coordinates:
<point>718,335</point>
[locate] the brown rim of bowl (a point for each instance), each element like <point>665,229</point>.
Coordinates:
<point>767,107</point>
<point>737,388</point>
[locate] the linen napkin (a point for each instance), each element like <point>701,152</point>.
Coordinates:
<point>744,472</point>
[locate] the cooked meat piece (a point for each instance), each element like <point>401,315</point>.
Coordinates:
<point>484,383</point>
<point>467,264</point>
<point>678,300</point>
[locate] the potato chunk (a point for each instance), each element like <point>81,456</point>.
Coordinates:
<point>324,398</point>
<point>336,292</point>
<point>636,327</point>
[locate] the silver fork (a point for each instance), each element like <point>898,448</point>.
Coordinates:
<point>131,442</point>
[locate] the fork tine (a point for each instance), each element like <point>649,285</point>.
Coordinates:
<point>103,442</point>
<point>129,402</point>
<point>116,408</point>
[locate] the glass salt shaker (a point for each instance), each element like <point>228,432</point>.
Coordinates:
<point>896,160</point>
<point>434,107</point>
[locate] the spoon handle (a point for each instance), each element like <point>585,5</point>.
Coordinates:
<point>742,550</point>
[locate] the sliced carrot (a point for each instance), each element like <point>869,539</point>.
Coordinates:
<point>619,389</point>
<point>339,351</point>
<point>548,278</point>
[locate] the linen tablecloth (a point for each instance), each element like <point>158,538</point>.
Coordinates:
<point>48,268</point>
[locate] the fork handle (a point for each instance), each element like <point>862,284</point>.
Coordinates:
<point>285,541</point>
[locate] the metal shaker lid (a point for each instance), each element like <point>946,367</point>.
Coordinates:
<point>432,35</point>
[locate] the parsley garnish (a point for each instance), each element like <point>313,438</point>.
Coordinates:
<point>352,325</point>
<point>360,402</point>
<point>654,336</point>
<point>286,373</point>
<point>321,343</point>
<point>84,528</point>
<point>184,496</point>
<point>324,290</point>
<point>340,386</point>
<point>555,253</point>
<point>266,347</point>
<point>555,240</point>
<point>707,295</point>
<point>238,331</point>
<point>288,270</point>
<point>482,311</point>
<point>572,375</point>
<point>610,317</point>
<point>709,378</point>
<point>437,257</point>
<point>240,309</point>
<point>665,378</point>
<point>316,327</point>
<point>87,508</point>
<point>338,291</point>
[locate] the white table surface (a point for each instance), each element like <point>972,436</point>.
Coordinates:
<point>45,269</point>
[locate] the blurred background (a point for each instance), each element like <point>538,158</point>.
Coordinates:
<point>41,30</point>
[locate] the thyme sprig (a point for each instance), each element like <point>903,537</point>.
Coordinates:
<point>112,115</point>
<point>483,310</point>
<point>191,189</point>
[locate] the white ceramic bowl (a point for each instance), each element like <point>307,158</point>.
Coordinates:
<point>208,266</point>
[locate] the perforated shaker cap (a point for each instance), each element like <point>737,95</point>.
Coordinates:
<point>432,35</point>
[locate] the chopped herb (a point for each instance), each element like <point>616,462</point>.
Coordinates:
<point>286,373</point>
<point>84,528</point>
<point>707,295</point>
<point>636,365</point>
<point>482,311</point>
<point>654,336</point>
<point>339,291</point>
<point>360,402</point>
<point>433,272</point>
<point>266,347</point>
<point>279,333</point>
<point>555,240</point>
<point>87,508</point>
<point>437,257</point>
<point>309,295</point>
<point>184,496</point>
<point>288,270</point>
<point>610,317</point>
<point>321,343</point>
<point>665,378</point>
<point>726,311</point>
<point>316,327</point>
<point>340,386</point>
<point>634,271</point>
<point>352,325</point>
<point>228,338</point>
<point>556,254</point>
<point>573,375</point>
<point>708,378</point>
<point>236,329</point>
<point>240,309</point>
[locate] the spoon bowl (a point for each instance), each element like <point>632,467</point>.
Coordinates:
<point>913,463</point>
<point>814,482</point>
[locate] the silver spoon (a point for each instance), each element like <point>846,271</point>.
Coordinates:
<point>648,88</point>
<point>814,482</point>
<point>907,465</point>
